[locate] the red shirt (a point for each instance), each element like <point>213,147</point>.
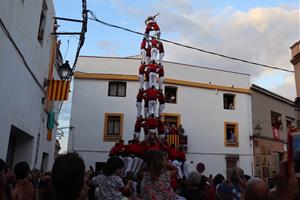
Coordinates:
<point>153,67</point>
<point>147,74</point>
<point>148,52</point>
<point>140,95</point>
<point>142,69</point>
<point>161,98</point>
<point>161,71</point>
<point>135,149</point>
<point>173,130</point>
<point>160,127</point>
<point>117,148</point>
<point>154,43</point>
<point>172,153</point>
<point>143,44</point>
<point>145,127</point>
<point>155,147</point>
<point>151,122</point>
<point>138,125</point>
<point>180,155</point>
<point>160,47</point>
<point>152,94</point>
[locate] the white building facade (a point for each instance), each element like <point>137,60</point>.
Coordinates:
<point>25,51</point>
<point>202,106</point>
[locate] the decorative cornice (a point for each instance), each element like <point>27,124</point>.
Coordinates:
<point>122,77</point>
<point>295,59</point>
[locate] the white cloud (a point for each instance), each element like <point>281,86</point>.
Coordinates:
<point>109,47</point>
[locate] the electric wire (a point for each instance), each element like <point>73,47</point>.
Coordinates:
<point>7,34</point>
<point>94,18</point>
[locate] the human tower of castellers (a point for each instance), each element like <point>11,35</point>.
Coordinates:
<point>151,78</point>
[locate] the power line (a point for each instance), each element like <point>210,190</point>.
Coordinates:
<point>67,47</point>
<point>94,18</point>
<point>21,55</point>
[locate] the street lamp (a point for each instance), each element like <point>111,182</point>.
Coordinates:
<point>257,130</point>
<point>65,70</point>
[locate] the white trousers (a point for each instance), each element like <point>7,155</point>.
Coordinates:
<point>136,135</point>
<point>154,52</point>
<point>139,108</point>
<point>177,164</point>
<point>157,34</point>
<point>146,84</point>
<point>185,171</point>
<point>133,164</point>
<point>161,83</point>
<point>152,79</point>
<point>141,80</point>
<point>161,56</point>
<point>152,107</point>
<point>143,54</point>
<point>146,112</point>
<point>161,108</point>
<point>148,59</point>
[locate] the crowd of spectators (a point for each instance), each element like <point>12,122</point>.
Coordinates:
<point>69,180</point>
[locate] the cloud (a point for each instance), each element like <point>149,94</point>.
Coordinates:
<point>109,47</point>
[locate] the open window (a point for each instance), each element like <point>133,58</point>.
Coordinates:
<point>171,94</point>
<point>289,122</point>
<point>117,89</point>
<point>276,120</point>
<point>229,101</point>
<point>231,134</point>
<point>42,25</point>
<point>113,127</point>
<point>170,118</point>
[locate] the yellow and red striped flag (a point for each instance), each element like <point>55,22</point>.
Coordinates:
<point>58,90</point>
<point>173,139</point>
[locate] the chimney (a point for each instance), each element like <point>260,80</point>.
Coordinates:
<point>296,62</point>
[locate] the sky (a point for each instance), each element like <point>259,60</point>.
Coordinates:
<point>255,30</point>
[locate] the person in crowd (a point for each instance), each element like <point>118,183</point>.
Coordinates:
<point>287,185</point>
<point>138,127</point>
<point>161,76</point>
<point>161,52</point>
<point>142,75</point>
<point>156,183</point>
<point>24,189</point>
<point>139,99</point>
<point>147,73</point>
<point>68,176</point>
<point>134,161</point>
<point>238,182</point>
<point>173,129</point>
<point>211,192</point>
<point>151,25</point>
<point>192,191</point>
<point>256,189</point>
<point>153,68</point>
<point>180,129</point>
<point>110,184</point>
<point>117,149</point>
<point>152,123</point>
<point>154,49</point>
<point>144,47</point>
<point>160,127</point>
<point>225,191</point>
<point>167,128</point>
<point>3,170</point>
<point>161,100</point>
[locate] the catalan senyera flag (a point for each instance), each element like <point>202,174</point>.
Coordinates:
<point>58,90</point>
<point>173,139</point>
